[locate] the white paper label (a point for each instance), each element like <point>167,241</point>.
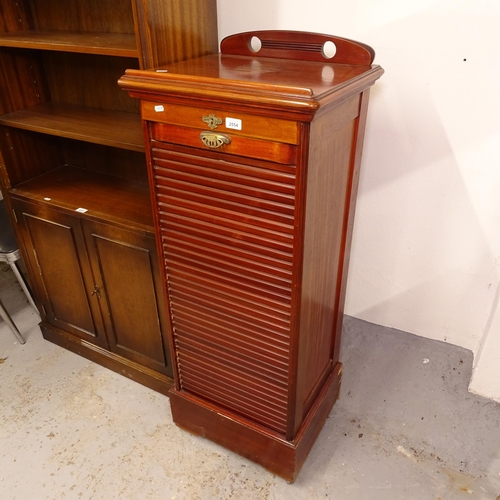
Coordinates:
<point>159,108</point>
<point>234,123</point>
<point>81,210</point>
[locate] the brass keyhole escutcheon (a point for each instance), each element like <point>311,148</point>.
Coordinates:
<point>212,121</point>
<point>213,140</point>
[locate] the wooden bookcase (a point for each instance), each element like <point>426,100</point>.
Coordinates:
<point>73,169</point>
<point>254,157</point>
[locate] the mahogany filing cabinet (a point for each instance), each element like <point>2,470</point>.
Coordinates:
<point>253,158</point>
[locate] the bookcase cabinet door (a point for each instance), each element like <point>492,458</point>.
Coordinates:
<point>55,249</point>
<point>125,267</point>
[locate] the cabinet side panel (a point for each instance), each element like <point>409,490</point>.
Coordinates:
<point>176,30</point>
<point>328,174</point>
<point>351,208</point>
<point>22,81</point>
<point>27,155</point>
<point>15,16</point>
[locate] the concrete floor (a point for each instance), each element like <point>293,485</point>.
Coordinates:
<point>405,427</point>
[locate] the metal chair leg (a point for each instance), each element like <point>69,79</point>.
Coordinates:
<point>22,282</point>
<point>13,327</point>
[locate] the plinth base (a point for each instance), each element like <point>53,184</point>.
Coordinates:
<point>268,449</point>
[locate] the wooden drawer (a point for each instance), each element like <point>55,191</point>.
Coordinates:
<point>257,127</point>
<point>277,152</point>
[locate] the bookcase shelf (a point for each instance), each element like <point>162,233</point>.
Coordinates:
<point>111,44</point>
<point>94,195</point>
<point>99,126</point>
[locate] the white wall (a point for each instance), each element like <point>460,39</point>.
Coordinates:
<point>426,247</point>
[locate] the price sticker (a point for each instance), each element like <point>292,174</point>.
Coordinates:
<point>234,123</point>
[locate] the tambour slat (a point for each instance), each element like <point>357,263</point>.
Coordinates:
<point>214,366</point>
<point>237,404</point>
<point>266,340</point>
<point>194,282</point>
<point>270,420</point>
<point>265,329</point>
<point>258,278</point>
<point>198,375</point>
<point>252,371</point>
<point>244,341</point>
<point>240,394</point>
<point>230,309</point>
<point>262,376</point>
<point>232,258</point>
<point>221,196</point>
<point>264,170</point>
<point>259,281</point>
<point>263,215</point>
<point>230,184</point>
<point>168,217</point>
<point>281,183</point>
<point>245,378</point>
<point>227,241</point>
<point>230,251</point>
<point>228,221</point>
<point>225,282</point>
<point>234,214</point>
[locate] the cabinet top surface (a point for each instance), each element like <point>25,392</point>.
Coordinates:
<point>303,78</point>
<point>291,83</point>
<point>290,72</point>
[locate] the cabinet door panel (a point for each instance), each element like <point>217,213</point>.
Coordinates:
<point>222,263</point>
<point>127,265</point>
<point>56,251</point>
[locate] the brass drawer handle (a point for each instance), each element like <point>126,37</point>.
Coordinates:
<point>214,140</point>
